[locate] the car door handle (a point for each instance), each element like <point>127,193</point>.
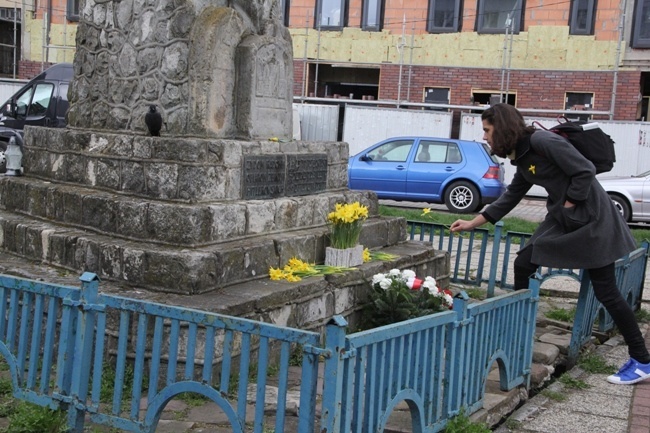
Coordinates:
<point>449,168</point>
<point>400,167</point>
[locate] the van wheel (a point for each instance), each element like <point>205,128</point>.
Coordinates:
<point>462,197</point>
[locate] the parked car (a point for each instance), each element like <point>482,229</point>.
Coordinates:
<point>631,195</point>
<point>461,174</point>
<point>41,102</point>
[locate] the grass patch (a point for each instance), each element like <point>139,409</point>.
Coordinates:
<point>596,364</point>
<point>572,382</point>
<point>510,224</point>
<point>192,399</point>
<point>29,418</point>
<point>462,424</point>
<point>642,316</point>
<point>553,395</point>
<point>479,294</point>
<point>561,314</point>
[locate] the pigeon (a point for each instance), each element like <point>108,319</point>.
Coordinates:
<point>154,121</point>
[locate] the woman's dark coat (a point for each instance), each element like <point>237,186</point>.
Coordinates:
<point>590,235</point>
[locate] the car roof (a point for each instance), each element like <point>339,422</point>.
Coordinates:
<point>423,137</point>
<point>60,71</point>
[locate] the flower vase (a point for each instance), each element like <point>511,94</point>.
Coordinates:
<point>347,257</point>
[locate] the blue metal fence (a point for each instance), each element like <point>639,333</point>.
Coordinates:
<point>119,361</point>
<point>490,254</point>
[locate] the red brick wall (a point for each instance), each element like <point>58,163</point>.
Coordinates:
<point>534,89</point>
<point>28,69</point>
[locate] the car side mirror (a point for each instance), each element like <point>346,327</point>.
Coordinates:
<point>365,158</point>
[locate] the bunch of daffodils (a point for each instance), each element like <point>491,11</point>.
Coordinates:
<point>345,224</point>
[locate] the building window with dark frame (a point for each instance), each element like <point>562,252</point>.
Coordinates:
<point>443,16</point>
<point>72,12</point>
<point>641,25</point>
<point>495,15</point>
<point>578,101</point>
<point>372,17</point>
<point>581,18</point>
<point>330,14</point>
<point>437,95</point>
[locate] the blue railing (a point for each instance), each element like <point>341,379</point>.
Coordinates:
<point>86,343</point>
<point>482,250</point>
<point>75,349</point>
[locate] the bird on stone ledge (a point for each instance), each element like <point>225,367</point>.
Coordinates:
<point>154,121</point>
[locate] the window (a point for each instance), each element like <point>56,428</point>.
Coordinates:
<point>443,16</point>
<point>578,101</point>
<point>495,15</point>
<point>73,10</point>
<point>436,95</point>
<point>394,151</point>
<point>486,97</point>
<point>373,15</point>
<point>330,14</point>
<point>440,152</point>
<point>581,19</point>
<point>641,25</point>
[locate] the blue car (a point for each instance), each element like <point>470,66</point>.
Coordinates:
<point>461,174</point>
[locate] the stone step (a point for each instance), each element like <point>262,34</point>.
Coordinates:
<point>184,168</point>
<point>164,268</point>
<point>168,222</point>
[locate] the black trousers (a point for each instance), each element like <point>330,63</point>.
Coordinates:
<point>606,291</point>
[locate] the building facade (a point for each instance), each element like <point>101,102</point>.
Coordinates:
<point>538,55</point>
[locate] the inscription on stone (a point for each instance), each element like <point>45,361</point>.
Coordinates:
<point>263,176</point>
<point>306,174</point>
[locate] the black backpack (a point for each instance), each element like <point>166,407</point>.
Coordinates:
<point>589,139</point>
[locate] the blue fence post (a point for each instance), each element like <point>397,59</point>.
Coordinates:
<point>498,230</point>
<point>333,375</point>
<point>456,339</point>
<point>83,352</point>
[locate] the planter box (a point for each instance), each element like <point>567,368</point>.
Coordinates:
<point>348,257</point>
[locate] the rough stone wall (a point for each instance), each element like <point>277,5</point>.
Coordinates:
<point>188,58</point>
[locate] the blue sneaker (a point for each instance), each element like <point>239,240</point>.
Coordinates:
<point>631,372</point>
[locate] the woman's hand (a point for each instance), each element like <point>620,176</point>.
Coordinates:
<point>464,226</point>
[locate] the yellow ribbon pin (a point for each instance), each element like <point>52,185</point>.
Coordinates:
<point>531,168</point>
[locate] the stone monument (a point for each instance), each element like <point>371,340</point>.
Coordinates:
<point>221,196</point>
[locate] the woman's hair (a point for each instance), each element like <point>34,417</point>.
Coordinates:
<point>509,127</point>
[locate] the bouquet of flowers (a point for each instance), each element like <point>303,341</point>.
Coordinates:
<point>400,295</point>
<point>345,224</point>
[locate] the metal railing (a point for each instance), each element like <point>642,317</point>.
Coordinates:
<point>489,254</point>
<point>118,362</point>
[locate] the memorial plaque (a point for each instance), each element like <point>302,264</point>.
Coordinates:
<point>306,174</point>
<point>263,176</point>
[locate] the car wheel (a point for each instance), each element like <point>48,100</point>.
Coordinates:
<point>462,197</point>
<point>621,205</point>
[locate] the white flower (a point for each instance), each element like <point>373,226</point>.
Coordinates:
<point>448,299</point>
<point>377,278</point>
<point>430,286</point>
<point>407,274</point>
<point>394,273</point>
<point>385,283</point>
